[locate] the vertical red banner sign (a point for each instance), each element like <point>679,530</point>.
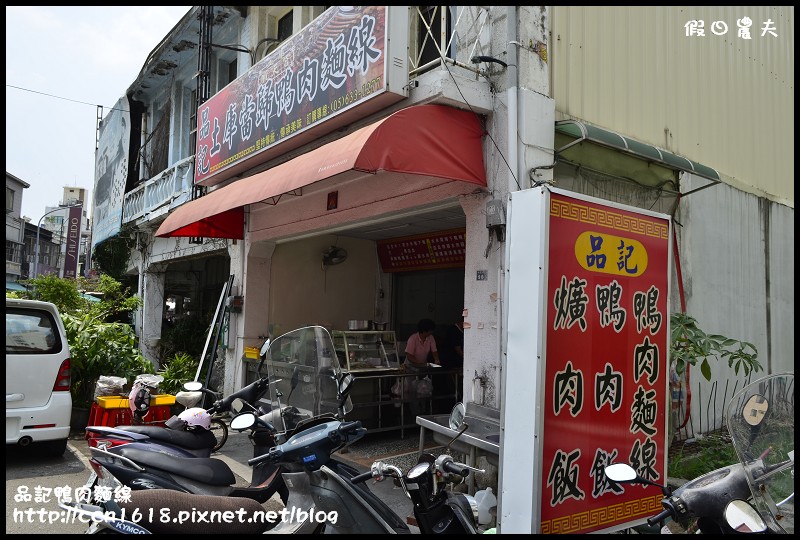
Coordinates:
<point>72,254</point>
<point>605,398</point>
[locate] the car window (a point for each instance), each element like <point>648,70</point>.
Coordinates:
<point>31,331</point>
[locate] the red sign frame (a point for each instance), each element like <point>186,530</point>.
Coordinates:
<point>335,63</point>
<point>606,369</point>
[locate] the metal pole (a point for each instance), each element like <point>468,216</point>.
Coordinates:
<point>38,228</point>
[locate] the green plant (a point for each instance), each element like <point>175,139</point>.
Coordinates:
<point>111,256</point>
<point>62,292</point>
<point>694,459</point>
<point>689,344</point>
<point>185,335</point>
<point>100,348</point>
<point>99,344</point>
<point>116,301</point>
<point>177,370</point>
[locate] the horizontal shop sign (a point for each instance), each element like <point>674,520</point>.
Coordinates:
<point>443,249</point>
<point>337,63</point>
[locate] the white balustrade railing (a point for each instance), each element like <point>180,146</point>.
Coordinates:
<point>174,183</point>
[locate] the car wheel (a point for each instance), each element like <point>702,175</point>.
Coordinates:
<point>53,448</point>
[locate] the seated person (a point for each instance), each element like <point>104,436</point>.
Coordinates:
<point>421,344</point>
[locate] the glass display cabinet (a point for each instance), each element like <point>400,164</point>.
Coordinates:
<point>366,350</point>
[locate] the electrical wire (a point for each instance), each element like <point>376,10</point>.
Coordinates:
<point>66,99</point>
<point>444,63</point>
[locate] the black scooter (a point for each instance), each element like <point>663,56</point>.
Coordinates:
<point>437,510</point>
<point>755,495</point>
<point>174,438</point>
<point>148,461</point>
<point>325,495</point>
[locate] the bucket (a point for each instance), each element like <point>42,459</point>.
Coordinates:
<point>486,501</point>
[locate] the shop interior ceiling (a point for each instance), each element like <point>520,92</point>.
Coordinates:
<point>439,219</point>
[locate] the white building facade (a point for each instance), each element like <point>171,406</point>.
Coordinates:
<point>621,104</point>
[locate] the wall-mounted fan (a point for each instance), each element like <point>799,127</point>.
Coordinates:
<point>333,255</point>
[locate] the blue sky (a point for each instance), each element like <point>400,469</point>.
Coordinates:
<point>69,59</point>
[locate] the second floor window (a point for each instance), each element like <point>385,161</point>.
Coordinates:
<point>13,251</point>
<point>430,43</point>
<point>285,25</point>
<point>192,123</point>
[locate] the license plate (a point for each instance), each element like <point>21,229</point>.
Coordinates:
<point>90,483</point>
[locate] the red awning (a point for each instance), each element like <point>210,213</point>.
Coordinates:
<point>429,140</point>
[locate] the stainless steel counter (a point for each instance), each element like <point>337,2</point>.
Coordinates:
<point>372,390</point>
<point>481,437</point>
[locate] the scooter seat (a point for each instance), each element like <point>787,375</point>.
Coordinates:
<point>188,399</point>
<point>195,439</point>
<point>211,471</point>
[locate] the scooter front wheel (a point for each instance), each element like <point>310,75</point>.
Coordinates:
<point>220,430</point>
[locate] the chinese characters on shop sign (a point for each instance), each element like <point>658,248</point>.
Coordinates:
<point>605,395</point>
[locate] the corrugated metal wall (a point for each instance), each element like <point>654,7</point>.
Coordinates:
<point>725,102</point>
<point>720,100</point>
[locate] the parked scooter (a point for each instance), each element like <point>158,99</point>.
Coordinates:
<point>149,462</point>
<point>754,495</point>
<point>326,496</point>
<point>140,467</point>
<point>436,509</point>
<point>323,493</point>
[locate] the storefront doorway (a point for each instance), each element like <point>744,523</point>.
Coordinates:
<point>431,294</point>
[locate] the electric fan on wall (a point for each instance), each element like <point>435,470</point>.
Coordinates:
<point>333,255</point>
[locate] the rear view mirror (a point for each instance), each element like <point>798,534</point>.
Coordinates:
<point>742,517</point>
<point>264,348</point>
<point>193,386</point>
<point>243,421</point>
<point>344,384</point>
<point>623,473</point>
<point>457,416</point>
<point>620,472</point>
<point>237,406</point>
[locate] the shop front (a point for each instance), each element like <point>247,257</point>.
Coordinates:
<point>364,235</point>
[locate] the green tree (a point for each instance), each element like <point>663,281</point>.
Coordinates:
<point>689,344</point>
<point>63,293</point>
<point>99,343</point>
<point>177,370</point>
<point>111,255</point>
<point>100,348</point>
<point>184,336</point>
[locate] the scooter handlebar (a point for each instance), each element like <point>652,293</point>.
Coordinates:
<point>357,479</point>
<point>344,431</point>
<point>659,517</point>
<point>455,468</point>
<point>274,454</point>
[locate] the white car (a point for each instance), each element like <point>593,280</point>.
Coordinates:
<point>38,401</point>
